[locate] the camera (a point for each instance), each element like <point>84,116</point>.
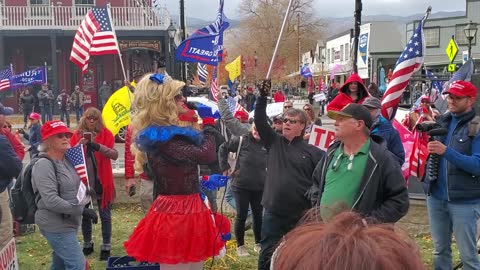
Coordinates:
<point>427,126</point>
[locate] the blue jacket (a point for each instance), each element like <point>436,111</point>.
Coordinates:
<point>10,164</point>
<point>459,168</point>
<point>34,138</point>
<point>384,129</point>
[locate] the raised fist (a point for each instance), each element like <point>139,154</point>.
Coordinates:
<point>265,88</point>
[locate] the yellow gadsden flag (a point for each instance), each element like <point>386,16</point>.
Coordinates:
<point>234,68</point>
<point>116,112</point>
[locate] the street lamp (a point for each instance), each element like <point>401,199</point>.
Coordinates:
<point>171,33</point>
<point>470,33</point>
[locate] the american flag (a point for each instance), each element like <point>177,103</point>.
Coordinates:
<point>214,85</point>
<point>95,36</point>
<point>234,106</point>
<point>5,78</point>
<point>409,62</point>
<point>77,157</point>
<point>202,73</point>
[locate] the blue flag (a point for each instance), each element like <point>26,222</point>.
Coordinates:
<point>306,72</point>
<point>206,44</point>
<point>29,77</point>
<point>435,83</point>
<point>232,89</point>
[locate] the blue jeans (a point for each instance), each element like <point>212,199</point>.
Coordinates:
<point>78,113</point>
<point>67,253</point>
<point>46,112</point>
<point>106,220</point>
<point>458,218</point>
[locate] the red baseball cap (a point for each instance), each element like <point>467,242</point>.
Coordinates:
<point>51,128</point>
<point>462,89</point>
<point>241,115</point>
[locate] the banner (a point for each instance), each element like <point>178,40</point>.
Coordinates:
<point>116,113</point>
<point>363,55</point>
<point>407,140</point>
<point>321,137</point>
<point>8,256</point>
<point>29,77</point>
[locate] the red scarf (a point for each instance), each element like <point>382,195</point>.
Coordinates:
<point>104,165</point>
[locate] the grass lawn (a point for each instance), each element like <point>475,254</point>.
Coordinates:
<point>34,253</point>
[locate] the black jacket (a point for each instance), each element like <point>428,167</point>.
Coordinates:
<point>10,164</point>
<point>250,171</point>
<point>289,168</point>
<point>383,194</point>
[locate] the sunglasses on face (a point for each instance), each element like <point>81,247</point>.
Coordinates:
<point>292,121</point>
<point>63,135</point>
<point>307,109</point>
<point>92,118</point>
<point>287,107</point>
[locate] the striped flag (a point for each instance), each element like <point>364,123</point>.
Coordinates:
<point>234,106</point>
<point>418,157</point>
<point>409,62</point>
<point>76,156</point>
<point>202,73</point>
<point>5,78</point>
<point>214,85</point>
<point>95,36</point>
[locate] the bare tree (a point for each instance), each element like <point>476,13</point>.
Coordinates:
<point>258,31</point>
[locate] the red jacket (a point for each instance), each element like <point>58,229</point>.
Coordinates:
<point>16,144</point>
<point>130,158</point>
<point>343,98</point>
<point>279,97</point>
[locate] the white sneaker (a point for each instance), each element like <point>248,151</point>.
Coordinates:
<point>242,251</point>
<point>257,248</point>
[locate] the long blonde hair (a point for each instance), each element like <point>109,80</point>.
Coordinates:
<point>154,104</point>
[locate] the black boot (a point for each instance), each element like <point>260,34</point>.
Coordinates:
<point>104,254</point>
<point>87,248</point>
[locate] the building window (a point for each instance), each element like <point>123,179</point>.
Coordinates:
<point>332,55</point>
<point>85,2</point>
<point>460,37</point>
<point>432,36</point>
<point>39,2</point>
<point>341,52</point>
<point>328,55</point>
<point>347,52</point>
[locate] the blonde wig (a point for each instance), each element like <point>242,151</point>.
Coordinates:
<point>154,104</point>
<point>91,112</point>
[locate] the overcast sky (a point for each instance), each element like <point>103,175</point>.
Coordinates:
<point>206,9</point>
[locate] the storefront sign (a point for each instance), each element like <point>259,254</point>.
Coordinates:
<point>140,44</point>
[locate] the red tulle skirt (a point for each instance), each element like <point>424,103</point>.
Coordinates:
<point>176,229</point>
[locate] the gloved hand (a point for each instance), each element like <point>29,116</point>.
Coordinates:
<point>265,88</point>
<point>89,213</point>
<point>21,131</point>
<point>214,181</point>
<point>95,146</point>
<point>191,105</point>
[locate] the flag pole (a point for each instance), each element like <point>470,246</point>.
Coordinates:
<point>116,42</point>
<point>11,69</point>
<point>279,38</point>
<point>46,74</point>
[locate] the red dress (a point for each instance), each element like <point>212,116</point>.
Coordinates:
<point>178,228</point>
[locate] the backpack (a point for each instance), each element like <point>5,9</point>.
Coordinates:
<point>24,199</point>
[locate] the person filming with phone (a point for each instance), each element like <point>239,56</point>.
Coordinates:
<point>99,142</point>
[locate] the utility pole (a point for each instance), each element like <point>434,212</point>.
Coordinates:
<point>182,37</point>
<point>298,56</point>
<point>358,21</point>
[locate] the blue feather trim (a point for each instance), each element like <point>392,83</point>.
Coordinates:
<point>148,137</point>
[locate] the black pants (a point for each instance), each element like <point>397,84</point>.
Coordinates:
<point>26,114</point>
<point>274,227</point>
<point>244,198</point>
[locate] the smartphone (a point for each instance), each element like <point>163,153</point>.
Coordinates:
<point>87,136</point>
<point>132,191</point>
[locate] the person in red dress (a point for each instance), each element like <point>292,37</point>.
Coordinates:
<point>178,231</point>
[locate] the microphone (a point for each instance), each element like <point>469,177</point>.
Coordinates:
<point>192,105</point>
<point>434,158</point>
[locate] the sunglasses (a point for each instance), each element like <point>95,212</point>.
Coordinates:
<point>307,109</point>
<point>292,121</point>
<point>63,135</point>
<point>92,118</point>
<point>287,107</point>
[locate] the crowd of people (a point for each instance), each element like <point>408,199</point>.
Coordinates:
<point>311,209</point>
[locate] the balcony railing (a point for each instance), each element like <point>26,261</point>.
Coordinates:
<point>70,17</point>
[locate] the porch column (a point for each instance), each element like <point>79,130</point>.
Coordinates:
<point>54,63</point>
<point>2,52</point>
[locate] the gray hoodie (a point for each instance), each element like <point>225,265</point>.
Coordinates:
<point>58,209</point>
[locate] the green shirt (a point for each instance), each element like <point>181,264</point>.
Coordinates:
<point>342,181</point>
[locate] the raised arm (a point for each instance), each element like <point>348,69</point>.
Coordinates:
<point>233,125</point>
<point>267,134</point>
